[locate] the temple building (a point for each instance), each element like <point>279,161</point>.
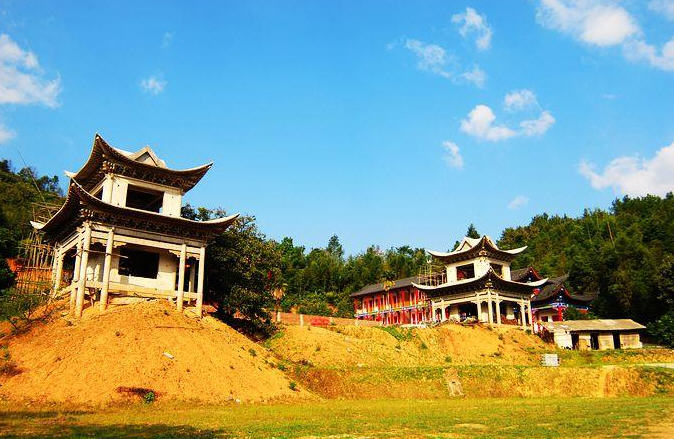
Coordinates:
<point>476,283</point>
<point>550,300</point>
<point>121,231</point>
<point>391,303</point>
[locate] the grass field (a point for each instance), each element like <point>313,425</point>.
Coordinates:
<point>455,418</point>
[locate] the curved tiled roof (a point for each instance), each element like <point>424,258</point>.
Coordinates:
<point>473,247</point>
<point>80,205</point>
<point>104,158</point>
<point>489,280</point>
<point>384,286</point>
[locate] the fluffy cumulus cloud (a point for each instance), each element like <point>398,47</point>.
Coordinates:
<point>22,80</point>
<point>153,85</point>
<point>471,23</point>
<point>606,23</point>
<point>520,100</point>
<point>663,7</point>
<point>596,22</point>
<point>517,202</point>
<point>635,176</point>
<point>480,124</point>
<point>537,127</point>
<point>435,59</point>
<point>452,155</point>
<point>663,58</point>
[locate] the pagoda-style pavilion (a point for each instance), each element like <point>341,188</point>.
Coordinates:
<point>476,283</point>
<point>550,300</point>
<point>120,228</point>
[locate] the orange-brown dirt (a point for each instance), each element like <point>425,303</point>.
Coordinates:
<point>143,346</point>
<point>348,346</point>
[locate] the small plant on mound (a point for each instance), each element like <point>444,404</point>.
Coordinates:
<point>399,334</point>
<point>448,359</point>
<point>252,352</point>
<point>423,346</point>
<point>292,385</point>
<point>149,397</point>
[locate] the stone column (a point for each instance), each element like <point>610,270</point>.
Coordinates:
<point>523,315</point>
<point>76,272</point>
<point>107,266</point>
<point>181,277</point>
<point>200,280</point>
<point>489,310</point>
<point>498,310</point>
<point>82,282</point>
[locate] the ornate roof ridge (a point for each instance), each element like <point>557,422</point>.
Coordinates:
<point>106,158</point>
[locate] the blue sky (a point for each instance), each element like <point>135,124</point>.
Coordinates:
<point>383,122</point>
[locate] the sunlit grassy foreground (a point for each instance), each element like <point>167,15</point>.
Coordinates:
<point>474,418</point>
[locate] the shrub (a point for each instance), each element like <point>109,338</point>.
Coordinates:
<point>149,397</point>
<point>662,330</point>
<point>423,346</point>
<point>282,367</point>
<point>448,359</point>
<point>293,385</point>
<point>252,352</point>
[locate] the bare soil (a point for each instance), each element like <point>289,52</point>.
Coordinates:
<point>126,352</point>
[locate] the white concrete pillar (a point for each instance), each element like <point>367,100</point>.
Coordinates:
<point>76,272</point>
<point>498,310</point>
<point>82,282</point>
<point>531,317</point>
<point>200,280</point>
<point>181,277</point>
<point>107,266</point>
<point>490,310</point>
<point>58,274</point>
<point>523,315</point>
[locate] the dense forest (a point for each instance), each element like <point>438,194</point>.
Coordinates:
<point>624,254</point>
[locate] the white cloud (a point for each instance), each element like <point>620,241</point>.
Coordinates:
<point>595,22</point>
<point>166,40</point>
<point>476,76</point>
<point>480,124</point>
<point>664,7</point>
<point>473,23</point>
<point>635,176</point>
<point>431,57</point>
<point>537,127</point>
<point>519,100</point>
<point>452,156</point>
<point>21,77</point>
<point>6,134</point>
<point>639,50</point>
<point>605,23</point>
<point>435,59</point>
<point>517,202</point>
<point>153,85</point>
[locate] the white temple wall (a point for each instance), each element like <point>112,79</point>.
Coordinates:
<point>481,265</point>
<point>171,204</point>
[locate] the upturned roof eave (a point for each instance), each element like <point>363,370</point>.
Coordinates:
<point>101,149</point>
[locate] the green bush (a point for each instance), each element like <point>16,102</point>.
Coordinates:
<point>293,385</point>
<point>149,397</point>
<point>662,330</point>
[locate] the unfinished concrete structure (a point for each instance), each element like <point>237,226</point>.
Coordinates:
<point>476,283</point>
<point>121,231</point>
<point>599,334</point>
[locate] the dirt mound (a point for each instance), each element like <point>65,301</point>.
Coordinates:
<point>128,351</point>
<point>348,346</point>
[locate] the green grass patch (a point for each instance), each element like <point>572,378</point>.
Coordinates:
<point>462,418</point>
<point>400,334</point>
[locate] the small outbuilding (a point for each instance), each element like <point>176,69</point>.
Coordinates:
<point>600,334</point>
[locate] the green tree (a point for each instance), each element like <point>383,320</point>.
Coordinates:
<point>242,269</point>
